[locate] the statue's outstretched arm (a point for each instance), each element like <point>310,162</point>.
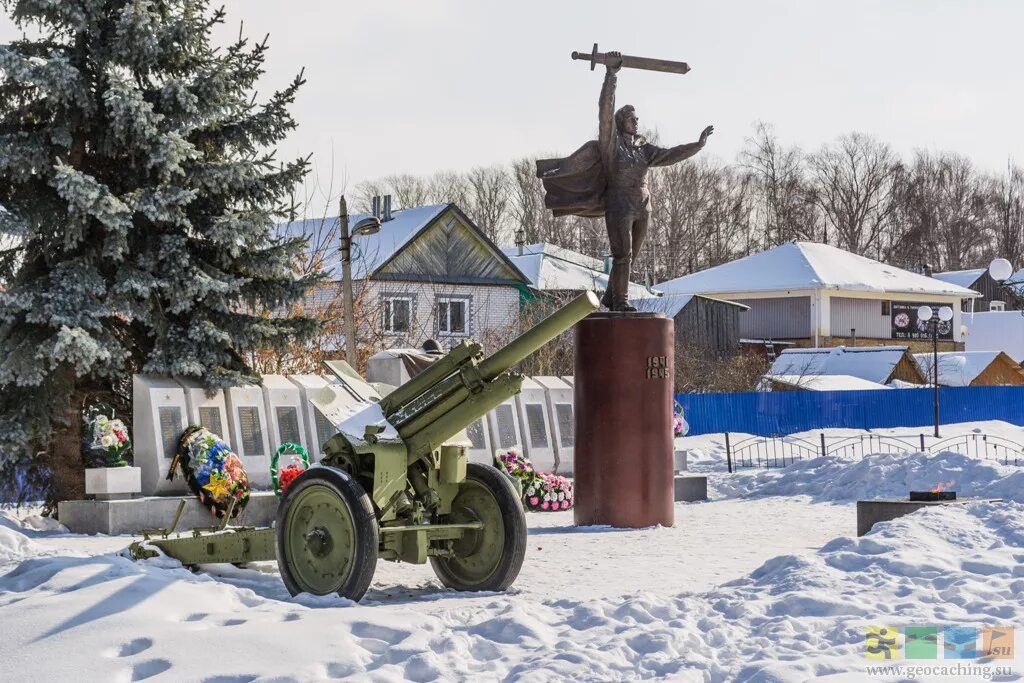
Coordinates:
<point>659,156</point>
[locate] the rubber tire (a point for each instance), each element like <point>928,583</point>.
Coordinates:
<point>515,532</point>
<point>364,521</point>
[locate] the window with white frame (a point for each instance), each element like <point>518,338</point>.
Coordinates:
<point>453,315</point>
<point>397,313</point>
<point>997,306</point>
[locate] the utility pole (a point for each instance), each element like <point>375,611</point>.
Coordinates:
<point>346,283</point>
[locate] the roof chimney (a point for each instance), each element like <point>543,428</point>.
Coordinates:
<point>375,204</point>
<point>928,270</point>
<point>520,240</point>
<point>387,209</point>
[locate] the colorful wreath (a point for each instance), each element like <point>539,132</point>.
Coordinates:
<point>542,491</point>
<point>213,471</point>
<point>282,478</point>
<point>105,441</point>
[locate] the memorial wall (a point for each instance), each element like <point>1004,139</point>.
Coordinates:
<point>255,420</point>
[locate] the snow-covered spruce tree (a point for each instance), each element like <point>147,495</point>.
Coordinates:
<point>137,178</point>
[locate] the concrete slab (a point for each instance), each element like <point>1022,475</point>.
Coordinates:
<point>115,517</point>
<point>870,512</point>
<point>690,488</point>
<point>679,459</point>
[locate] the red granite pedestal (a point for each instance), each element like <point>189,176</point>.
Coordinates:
<point>623,409</point>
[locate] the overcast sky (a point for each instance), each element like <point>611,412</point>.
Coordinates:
<point>417,86</point>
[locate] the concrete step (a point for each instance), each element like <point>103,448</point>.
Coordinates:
<point>116,517</point>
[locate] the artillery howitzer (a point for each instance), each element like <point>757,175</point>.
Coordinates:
<point>391,485</point>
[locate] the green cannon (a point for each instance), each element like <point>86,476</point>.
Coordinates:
<point>395,484</point>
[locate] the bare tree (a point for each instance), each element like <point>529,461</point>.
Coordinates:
<point>785,200</point>
<point>961,213</point>
<point>489,189</point>
<point>856,183</point>
<point>1006,197</point>
<point>526,206</point>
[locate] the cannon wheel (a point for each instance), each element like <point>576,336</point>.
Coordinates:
<point>327,535</point>
<point>487,559</point>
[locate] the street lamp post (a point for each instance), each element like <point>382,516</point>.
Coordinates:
<point>945,315</point>
<point>366,226</point>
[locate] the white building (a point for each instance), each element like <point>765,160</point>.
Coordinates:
<point>429,272</point>
<point>817,295</point>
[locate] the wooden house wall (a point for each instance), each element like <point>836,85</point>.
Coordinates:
<point>991,291</point>
<point>907,370</point>
<point>709,325</point>
<point>1001,371</point>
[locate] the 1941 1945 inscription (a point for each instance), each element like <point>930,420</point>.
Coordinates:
<point>657,367</point>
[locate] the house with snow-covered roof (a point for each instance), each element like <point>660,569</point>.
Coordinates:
<point>877,364</point>
<point>971,368</point>
<point>993,296</point>
<point>552,269</point>
<point>816,295</point>
<point>429,272</point>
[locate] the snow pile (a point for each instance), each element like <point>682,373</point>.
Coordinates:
<point>888,475</point>
<point>794,618</point>
<point>14,545</point>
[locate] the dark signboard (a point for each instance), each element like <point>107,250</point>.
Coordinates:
<point>906,324</point>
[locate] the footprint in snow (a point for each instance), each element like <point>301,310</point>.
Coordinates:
<point>234,622</point>
<point>198,616</point>
<point>374,645</point>
<point>134,647</point>
<point>378,632</point>
<point>149,668</point>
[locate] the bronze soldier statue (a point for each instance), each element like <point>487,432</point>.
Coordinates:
<point>608,177</point>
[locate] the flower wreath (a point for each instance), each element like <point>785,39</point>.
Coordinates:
<point>542,491</point>
<point>282,478</point>
<point>105,441</point>
<point>679,425</point>
<point>213,471</point>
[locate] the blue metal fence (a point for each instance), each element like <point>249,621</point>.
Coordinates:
<point>786,412</point>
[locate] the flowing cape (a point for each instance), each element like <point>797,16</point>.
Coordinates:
<point>575,185</point>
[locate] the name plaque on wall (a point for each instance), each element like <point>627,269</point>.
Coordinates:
<point>506,426</point>
<point>563,413</point>
<point>475,432</point>
<point>288,424</point>
<point>209,417</point>
<point>324,429</point>
<point>251,430</point>
<point>170,428</point>
<point>536,426</point>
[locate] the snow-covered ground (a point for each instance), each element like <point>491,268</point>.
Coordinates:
<point>765,582</point>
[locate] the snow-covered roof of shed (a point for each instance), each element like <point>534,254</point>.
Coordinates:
<point>369,252</point>
<point>956,368</point>
<point>826,382</point>
<point>963,278</point>
<point>808,265</point>
<point>872,363</point>
<point>672,304</point>
<point>550,267</point>
<point>1018,280</point>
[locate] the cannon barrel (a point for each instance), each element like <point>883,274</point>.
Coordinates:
<point>549,328</point>
<point>448,380</point>
<point>468,390</point>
